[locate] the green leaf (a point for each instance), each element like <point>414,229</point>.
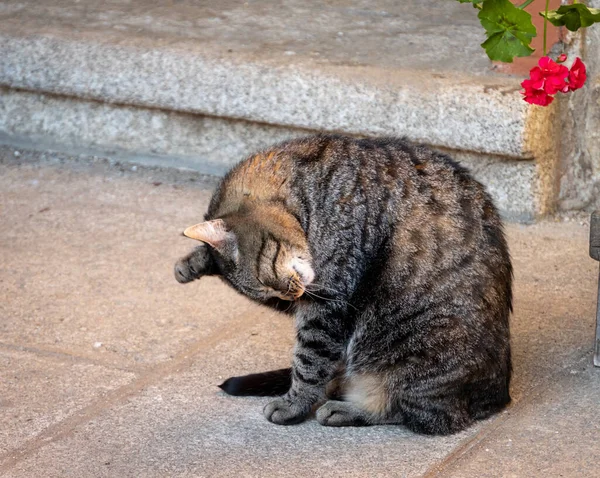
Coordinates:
<point>573,16</point>
<point>509,30</point>
<point>504,47</point>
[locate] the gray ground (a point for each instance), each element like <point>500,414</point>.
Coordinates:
<point>109,367</point>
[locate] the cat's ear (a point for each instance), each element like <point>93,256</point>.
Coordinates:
<point>212,232</point>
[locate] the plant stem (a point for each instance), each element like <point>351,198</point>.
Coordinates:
<point>545,25</point>
<point>524,4</point>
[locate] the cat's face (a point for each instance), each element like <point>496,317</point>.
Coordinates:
<point>261,253</point>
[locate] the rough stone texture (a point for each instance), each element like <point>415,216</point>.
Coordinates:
<point>39,390</point>
<point>109,238</point>
<point>580,165</point>
<point>365,68</point>
<point>554,435</point>
<point>139,54</point>
<point>206,144</point>
<point>151,136</point>
<point>338,32</point>
<point>542,138</point>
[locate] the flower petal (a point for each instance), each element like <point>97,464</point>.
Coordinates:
<point>577,75</point>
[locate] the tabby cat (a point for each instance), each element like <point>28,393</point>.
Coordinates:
<point>392,259</point>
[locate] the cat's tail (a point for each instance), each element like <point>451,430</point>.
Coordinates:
<point>266,384</point>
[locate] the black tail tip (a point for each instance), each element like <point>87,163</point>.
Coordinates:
<point>231,386</point>
<point>266,384</point>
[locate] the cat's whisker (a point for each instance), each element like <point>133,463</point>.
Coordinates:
<point>321,286</point>
<point>289,307</point>
<point>312,294</point>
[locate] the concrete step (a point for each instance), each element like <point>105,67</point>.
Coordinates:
<point>200,86</point>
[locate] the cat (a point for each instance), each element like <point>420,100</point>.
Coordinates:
<point>392,259</point>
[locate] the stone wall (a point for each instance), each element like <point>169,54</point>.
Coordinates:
<point>580,135</point>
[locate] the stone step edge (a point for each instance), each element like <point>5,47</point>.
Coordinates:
<point>210,145</point>
<point>478,114</point>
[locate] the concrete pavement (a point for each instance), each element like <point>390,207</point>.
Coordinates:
<point>108,367</point>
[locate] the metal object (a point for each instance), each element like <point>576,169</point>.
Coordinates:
<point>595,254</point>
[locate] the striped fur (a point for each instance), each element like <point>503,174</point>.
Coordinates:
<point>393,261</point>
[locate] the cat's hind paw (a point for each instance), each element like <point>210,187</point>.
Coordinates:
<point>284,412</point>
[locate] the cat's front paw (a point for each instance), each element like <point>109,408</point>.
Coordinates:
<point>285,412</point>
<point>341,414</point>
<point>186,270</point>
<point>196,264</point>
<point>183,271</point>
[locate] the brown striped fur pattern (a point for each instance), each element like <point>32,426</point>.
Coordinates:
<point>392,259</point>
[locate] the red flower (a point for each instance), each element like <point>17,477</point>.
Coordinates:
<point>577,75</point>
<point>545,80</point>
<point>554,75</point>
<point>537,97</point>
<point>561,58</point>
<point>548,78</point>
